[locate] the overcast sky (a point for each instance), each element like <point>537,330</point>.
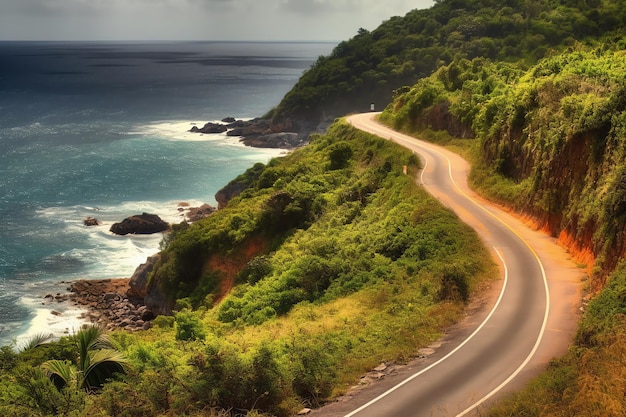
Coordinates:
<point>196,19</point>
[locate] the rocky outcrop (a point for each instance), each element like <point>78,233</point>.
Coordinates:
<point>249,128</point>
<point>157,301</point>
<point>143,224</point>
<point>285,140</point>
<point>109,306</point>
<point>91,221</point>
<point>138,283</point>
<point>228,192</point>
<point>210,128</point>
<point>194,214</point>
<point>259,132</point>
<point>151,295</point>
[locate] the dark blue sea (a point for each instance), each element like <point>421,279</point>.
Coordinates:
<point>100,130</point>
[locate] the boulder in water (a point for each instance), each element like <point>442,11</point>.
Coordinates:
<point>142,224</point>
<point>91,221</point>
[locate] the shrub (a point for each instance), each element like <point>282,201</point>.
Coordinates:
<point>340,155</point>
<point>188,326</point>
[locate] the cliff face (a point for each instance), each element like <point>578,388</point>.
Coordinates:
<point>568,150</point>
<point>439,117</point>
<point>223,267</point>
<point>550,141</point>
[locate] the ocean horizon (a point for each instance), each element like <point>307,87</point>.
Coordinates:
<point>101,129</point>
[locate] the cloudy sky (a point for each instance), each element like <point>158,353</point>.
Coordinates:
<point>195,19</point>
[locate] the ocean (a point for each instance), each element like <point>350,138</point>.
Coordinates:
<point>92,129</point>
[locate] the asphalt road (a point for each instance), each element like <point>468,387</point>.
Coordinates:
<point>497,348</point>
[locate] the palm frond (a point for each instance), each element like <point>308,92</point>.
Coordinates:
<point>62,373</point>
<point>88,339</point>
<point>98,360</point>
<point>36,341</point>
<point>102,364</point>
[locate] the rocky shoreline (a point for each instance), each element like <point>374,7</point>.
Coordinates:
<point>258,132</point>
<point>119,303</point>
<point>107,304</point>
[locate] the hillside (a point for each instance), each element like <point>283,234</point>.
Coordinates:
<point>548,139</point>
<point>369,67</point>
<point>328,262</point>
<point>548,143</point>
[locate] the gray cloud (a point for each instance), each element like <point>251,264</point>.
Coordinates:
<point>195,19</point>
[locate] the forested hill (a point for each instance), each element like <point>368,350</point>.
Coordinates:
<point>371,65</point>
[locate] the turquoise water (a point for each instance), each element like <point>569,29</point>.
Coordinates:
<point>100,129</point>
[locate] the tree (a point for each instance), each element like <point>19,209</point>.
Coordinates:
<point>98,360</point>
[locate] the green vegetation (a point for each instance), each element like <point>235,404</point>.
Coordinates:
<point>97,361</point>
<point>54,379</point>
<point>372,65</point>
<point>337,261</point>
<point>548,139</point>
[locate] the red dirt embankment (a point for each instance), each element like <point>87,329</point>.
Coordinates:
<point>229,266</point>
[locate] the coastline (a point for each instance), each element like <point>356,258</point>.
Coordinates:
<point>98,157</point>
<point>108,304</point>
<point>100,302</point>
<point>105,301</point>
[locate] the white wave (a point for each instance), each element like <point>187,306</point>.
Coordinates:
<point>56,319</point>
<point>109,214</point>
<point>180,130</point>
<point>103,253</point>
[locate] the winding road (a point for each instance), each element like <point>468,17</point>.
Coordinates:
<point>527,318</point>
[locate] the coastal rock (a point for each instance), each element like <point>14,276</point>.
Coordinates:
<point>140,224</point>
<point>109,305</point>
<point>91,221</point>
<point>283,140</point>
<point>254,127</point>
<point>196,213</point>
<point>228,192</point>
<point>139,281</point>
<point>147,315</point>
<point>260,132</point>
<point>210,127</point>
<point>156,300</point>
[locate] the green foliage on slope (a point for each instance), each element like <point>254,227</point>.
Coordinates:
<point>359,266</point>
<point>549,139</point>
<point>335,216</point>
<point>371,65</point>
